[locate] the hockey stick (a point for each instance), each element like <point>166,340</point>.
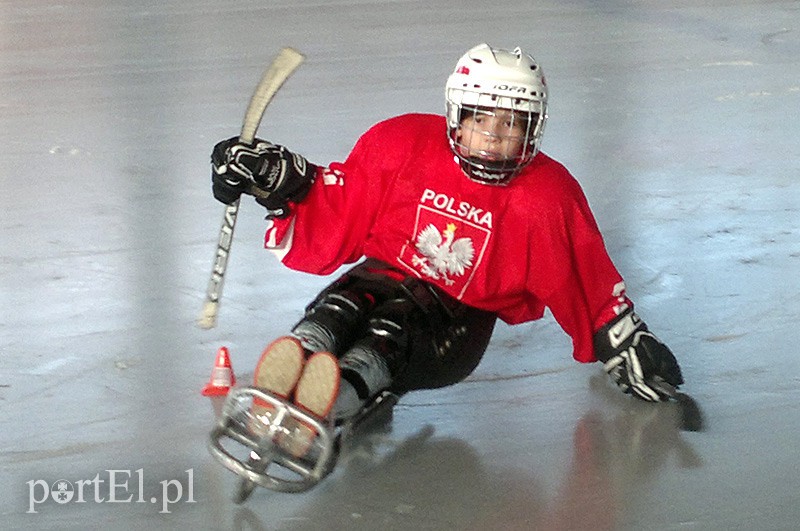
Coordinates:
<point>278,72</point>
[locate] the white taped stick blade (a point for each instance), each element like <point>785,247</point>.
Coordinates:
<point>285,63</point>
<point>208,319</point>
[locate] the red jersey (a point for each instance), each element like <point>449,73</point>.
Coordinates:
<point>402,198</point>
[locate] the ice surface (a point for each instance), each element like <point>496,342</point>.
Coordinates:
<point>677,118</point>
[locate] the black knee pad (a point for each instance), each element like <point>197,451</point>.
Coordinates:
<point>332,320</point>
<point>383,349</point>
<point>389,330</point>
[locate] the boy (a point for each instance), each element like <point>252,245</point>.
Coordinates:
<point>462,220</point>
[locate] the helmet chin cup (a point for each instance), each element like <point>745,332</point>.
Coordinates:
<point>497,173</point>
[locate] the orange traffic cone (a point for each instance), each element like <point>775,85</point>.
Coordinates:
<point>222,378</point>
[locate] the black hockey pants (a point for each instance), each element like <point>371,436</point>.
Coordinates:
<point>427,338</point>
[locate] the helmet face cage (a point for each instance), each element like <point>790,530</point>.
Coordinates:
<point>506,92</point>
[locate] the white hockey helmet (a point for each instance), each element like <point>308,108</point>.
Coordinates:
<point>486,79</point>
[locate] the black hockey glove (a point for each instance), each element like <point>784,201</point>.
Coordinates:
<point>235,167</point>
<point>635,358</point>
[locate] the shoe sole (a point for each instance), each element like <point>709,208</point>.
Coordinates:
<point>277,372</point>
<point>316,393</point>
<point>319,385</point>
<point>280,366</point>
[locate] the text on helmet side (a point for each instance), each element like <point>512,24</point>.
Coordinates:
<point>511,88</point>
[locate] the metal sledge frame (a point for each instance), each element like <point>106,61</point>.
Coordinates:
<point>269,465</point>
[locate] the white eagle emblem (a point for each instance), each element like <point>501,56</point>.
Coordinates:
<point>442,254</point>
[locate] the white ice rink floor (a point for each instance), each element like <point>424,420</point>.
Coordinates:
<point>679,119</point>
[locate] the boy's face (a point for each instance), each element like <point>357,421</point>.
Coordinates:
<point>495,135</point>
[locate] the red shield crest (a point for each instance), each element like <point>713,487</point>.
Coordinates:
<point>445,250</point>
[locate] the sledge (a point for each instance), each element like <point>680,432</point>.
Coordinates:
<point>250,445</point>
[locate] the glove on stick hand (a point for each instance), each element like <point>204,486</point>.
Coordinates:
<point>235,167</point>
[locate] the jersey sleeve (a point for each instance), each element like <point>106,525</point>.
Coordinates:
<point>575,277</point>
<point>330,226</point>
